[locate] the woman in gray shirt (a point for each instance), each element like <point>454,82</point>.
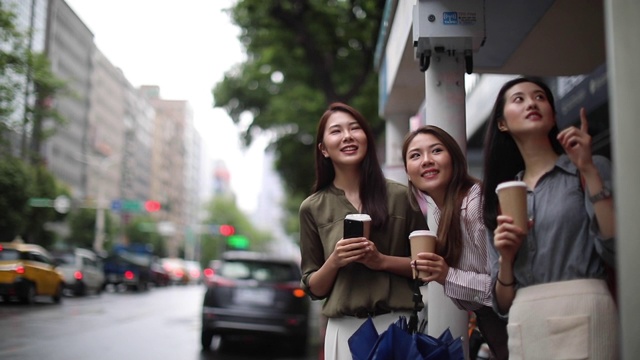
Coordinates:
<point>549,280</point>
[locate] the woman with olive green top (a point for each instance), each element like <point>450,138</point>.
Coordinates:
<point>357,277</point>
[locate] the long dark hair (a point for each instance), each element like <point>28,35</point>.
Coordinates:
<point>450,236</point>
<point>502,158</point>
<point>373,188</point>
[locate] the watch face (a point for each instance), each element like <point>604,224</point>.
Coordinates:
<point>605,193</point>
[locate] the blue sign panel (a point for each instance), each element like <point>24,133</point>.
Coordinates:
<point>450,18</point>
<point>459,18</point>
<point>116,205</point>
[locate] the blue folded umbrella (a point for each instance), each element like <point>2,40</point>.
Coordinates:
<point>362,341</point>
<point>398,343</point>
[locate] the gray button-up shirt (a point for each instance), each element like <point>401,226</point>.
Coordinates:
<point>564,242</point>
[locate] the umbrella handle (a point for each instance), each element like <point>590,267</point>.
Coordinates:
<point>417,299</point>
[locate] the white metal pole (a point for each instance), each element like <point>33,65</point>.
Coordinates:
<point>445,96</point>
<point>623,50</point>
<point>445,108</point>
<point>98,241</point>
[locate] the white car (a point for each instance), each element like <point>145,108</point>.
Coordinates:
<point>177,270</point>
<point>195,271</point>
<point>82,270</point>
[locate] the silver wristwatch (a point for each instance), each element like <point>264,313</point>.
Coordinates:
<point>605,193</point>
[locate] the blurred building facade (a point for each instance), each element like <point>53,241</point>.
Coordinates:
<point>119,144</point>
<point>169,167</point>
<point>70,48</point>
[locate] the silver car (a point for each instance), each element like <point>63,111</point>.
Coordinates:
<point>82,271</point>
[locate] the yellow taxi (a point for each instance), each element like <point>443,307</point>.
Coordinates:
<point>27,271</point>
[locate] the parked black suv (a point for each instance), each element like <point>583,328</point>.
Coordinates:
<point>257,295</point>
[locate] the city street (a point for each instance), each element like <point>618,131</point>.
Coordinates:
<point>163,323</point>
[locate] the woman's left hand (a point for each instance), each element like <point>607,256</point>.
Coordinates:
<point>433,264</point>
<point>577,142</point>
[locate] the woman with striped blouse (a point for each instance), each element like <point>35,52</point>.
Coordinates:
<point>437,169</point>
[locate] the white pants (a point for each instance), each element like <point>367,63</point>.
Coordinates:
<point>574,319</point>
<point>339,330</point>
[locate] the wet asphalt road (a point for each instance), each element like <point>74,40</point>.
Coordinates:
<point>163,323</point>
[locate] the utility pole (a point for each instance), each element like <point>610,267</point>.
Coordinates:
<point>102,165</point>
<point>445,39</point>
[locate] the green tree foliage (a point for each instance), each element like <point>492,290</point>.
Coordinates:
<point>14,197</point>
<point>25,75</point>
<point>47,86</point>
<point>18,183</point>
<point>301,56</point>
<point>11,65</point>
<point>82,223</point>
<point>221,211</point>
<point>143,230</point>
<point>43,185</point>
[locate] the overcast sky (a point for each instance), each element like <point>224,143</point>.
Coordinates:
<point>183,46</point>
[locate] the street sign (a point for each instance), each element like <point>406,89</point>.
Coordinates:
<point>147,227</point>
<point>62,204</point>
<point>166,228</point>
<point>132,205</point>
<point>40,202</point>
<point>116,205</point>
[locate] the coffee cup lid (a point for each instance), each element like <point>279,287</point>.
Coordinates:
<point>422,233</point>
<point>507,184</point>
<point>359,217</point>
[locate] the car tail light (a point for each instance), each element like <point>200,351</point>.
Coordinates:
<point>299,293</point>
<point>20,269</point>
<point>208,272</point>
<point>128,275</point>
<point>1,247</point>
<point>77,275</point>
<point>295,289</point>
<point>292,321</point>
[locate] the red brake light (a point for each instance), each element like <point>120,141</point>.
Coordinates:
<point>77,275</point>
<point>208,272</point>
<point>20,269</point>
<point>295,290</point>
<point>128,275</point>
<point>1,247</point>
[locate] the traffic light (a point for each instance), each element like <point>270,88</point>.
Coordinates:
<point>238,242</point>
<point>227,230</point>
<point>152,206</point>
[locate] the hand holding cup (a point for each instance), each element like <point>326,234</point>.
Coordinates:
<point>421,241</point>
<point>512,196</point>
